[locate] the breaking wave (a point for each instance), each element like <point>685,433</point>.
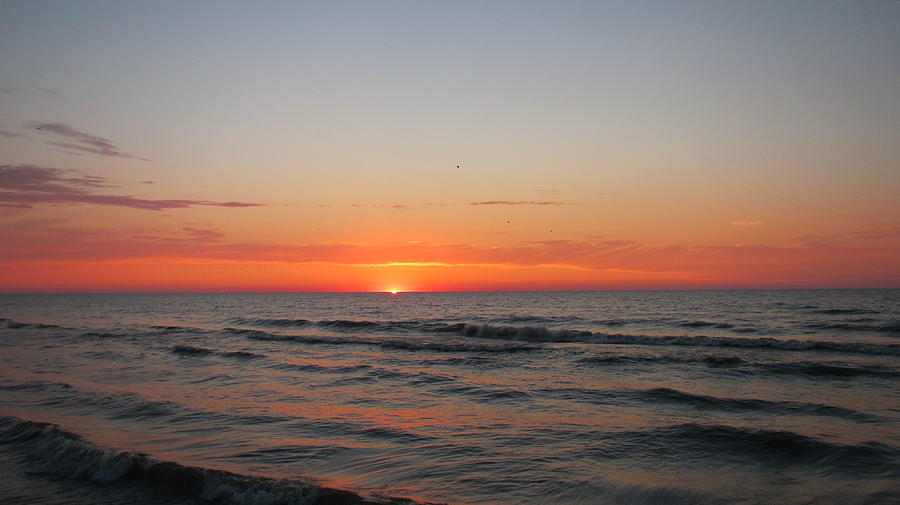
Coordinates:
<point>546,335</point>
<point>50,450</point>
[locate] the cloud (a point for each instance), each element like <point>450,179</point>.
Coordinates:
<point>436,204</point>
<point>886,232</point>
<point>30,178</point>
<point>148,182</point>
<point>221,204</point>
<point>386,205</point>
<point>24,186</point>
<point>204,235</point>
<point>508,202</point>
<point>80,142</point>
<point>9,135</point>
<point>390,206</point>
<point>46,90</point>
<point>747,224</point>
<point>10,90</point>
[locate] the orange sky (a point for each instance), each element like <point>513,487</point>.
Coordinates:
<point>448,147</point>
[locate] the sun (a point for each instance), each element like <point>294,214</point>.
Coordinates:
<point>393,291</point>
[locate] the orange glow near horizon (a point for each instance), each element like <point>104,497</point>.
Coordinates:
<point>704,269</point>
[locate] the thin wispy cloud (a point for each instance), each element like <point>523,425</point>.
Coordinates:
<point>10,90</point>
<point>26,186</point>
<point>46,90</point>
<point>886,232</point>
<point>436,204</point>
<point>79,142</point>
<point>30,178</point>
<point>203,235</point>
<point>747,224</point>
<point>510,202</point>
<point>386,205</point>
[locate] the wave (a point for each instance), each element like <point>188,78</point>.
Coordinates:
<point>392,326</point>
<point>519,318</point>
<point>716,360</point>
<point>410,345</point>
<point>177,329</point>
<point>753,404</point>
<point>473,361</point>
<point>544,335</point>
<point>622,359</point>
<point>342,323</point>
<point>443,326</point>
<point>705,324</point>
<point>547,335</point>
<point>706,402</point>
<point>846,311</point>
<point>50,450</point>
<point>737,363</point>
<point>117,405</point>
<point>367,373</point>
<point>533,334</point>
<point>891,327</point>
<point>188,350</point>
<point>35,386</point>
<point>485,393</point>
<point>16,325</point>
<point>312,367</point>
<point>155,330</point>
<point>737,444</point>
<point>429,326</point>
<point>134,407</point>
<point>618,322</point>
<point>273,323</point>
<point>241,354</point>
<point>104,335</point>
<point>829,369</point>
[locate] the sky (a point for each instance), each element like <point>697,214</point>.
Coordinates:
<point>432,146</point>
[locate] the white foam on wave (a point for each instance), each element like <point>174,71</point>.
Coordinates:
<point>548,335</point>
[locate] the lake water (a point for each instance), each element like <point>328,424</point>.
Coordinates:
<point>632,397</point>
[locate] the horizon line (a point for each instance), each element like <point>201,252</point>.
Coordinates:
<point>401,292</point>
